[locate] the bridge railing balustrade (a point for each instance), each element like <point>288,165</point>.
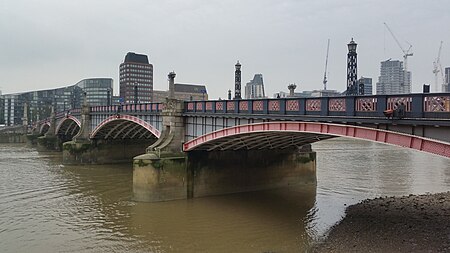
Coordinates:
<point>128,108</point>
<point>436,105</point>
<point>416,105</point>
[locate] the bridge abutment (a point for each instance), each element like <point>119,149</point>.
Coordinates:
<point>12,138</point>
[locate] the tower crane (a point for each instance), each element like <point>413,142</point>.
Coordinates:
<point>406,53</point>
<point>437,67</point>
<point>326,66</point>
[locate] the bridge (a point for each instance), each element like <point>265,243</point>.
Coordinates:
<point>170,142</point>
<point>426,121</point>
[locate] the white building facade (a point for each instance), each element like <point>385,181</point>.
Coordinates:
<point>392,78</point>
<point>255,88</point>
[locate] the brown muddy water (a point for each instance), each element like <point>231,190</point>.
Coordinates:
<point>48,207</point>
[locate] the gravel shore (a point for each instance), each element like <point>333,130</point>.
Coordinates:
<point>393,224</point>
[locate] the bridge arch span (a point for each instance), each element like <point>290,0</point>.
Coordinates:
<point>68,127</point>
<point>281,135</point>
<point>44,128</point>
<point>124,127</point>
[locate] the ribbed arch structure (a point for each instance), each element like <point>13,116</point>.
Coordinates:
<point>281,135</point>
<point>124,127</point>
<point>44,128</point>
<point>68,127</point>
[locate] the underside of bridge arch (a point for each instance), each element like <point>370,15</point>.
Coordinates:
<point>117,139</point>
<point>44,128</point>
<point>281,135</point>
<point>67,129</point>
<point>263,141</point>
<point>120,129</point>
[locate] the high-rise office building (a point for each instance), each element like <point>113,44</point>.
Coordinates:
<point>367,82</point>
<point>136,79</point>
<point>255,88</point>
<point>391,79</point>
<point>446,86</point>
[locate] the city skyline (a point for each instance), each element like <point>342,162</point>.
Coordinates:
<point>50,44</point>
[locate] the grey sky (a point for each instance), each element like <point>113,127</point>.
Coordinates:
<point>53,43</point>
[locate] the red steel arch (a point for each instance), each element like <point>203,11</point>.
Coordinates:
<point>319,131</point>
<point>44,128</point>
<point>114,125</point>
<point>67,118</point>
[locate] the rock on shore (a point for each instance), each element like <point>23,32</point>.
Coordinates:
<point>393,224</point>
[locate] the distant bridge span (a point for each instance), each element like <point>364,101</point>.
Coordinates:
<point>44,127</point>
<point>275,135</point>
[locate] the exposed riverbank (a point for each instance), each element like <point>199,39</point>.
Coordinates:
<point>393,224</point>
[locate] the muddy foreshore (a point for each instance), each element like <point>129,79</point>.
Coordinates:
<point>414,223</point>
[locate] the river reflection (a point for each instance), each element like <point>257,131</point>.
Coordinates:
<point>48,207</point>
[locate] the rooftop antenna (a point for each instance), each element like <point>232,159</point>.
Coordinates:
<point>326,66</point>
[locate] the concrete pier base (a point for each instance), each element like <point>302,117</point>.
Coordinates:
<point>159,178</point>
<point>201,173</point>
<point>48,143</point>
<point>31,139</point>
<point>222,172</point>
<point>102,152</point>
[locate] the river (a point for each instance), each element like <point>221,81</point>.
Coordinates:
<point>48,207</point>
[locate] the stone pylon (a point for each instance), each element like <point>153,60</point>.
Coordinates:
<point>172,134</point>
<point>160,174</point>
<point>52,130</point>
<point>85,130</point>
<point>25,117</point>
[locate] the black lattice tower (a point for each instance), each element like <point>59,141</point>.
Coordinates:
<point>237,81</point>
<point>352,69</point>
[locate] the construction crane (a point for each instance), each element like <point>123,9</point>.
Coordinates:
<point>406,53</point>
<point>326,66</point>
<point>437,67</point>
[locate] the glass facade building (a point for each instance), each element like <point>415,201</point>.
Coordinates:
<point>98,92</point>
<point>367,85</point>
<point>446,85</point>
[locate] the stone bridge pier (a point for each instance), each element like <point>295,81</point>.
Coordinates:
<point>49,141</point>
<point>165,172</point>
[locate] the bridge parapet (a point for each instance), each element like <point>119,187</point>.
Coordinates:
<point>129,108</point>
<point>430,105</point>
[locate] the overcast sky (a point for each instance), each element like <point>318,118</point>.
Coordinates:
<point>53,43</point>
